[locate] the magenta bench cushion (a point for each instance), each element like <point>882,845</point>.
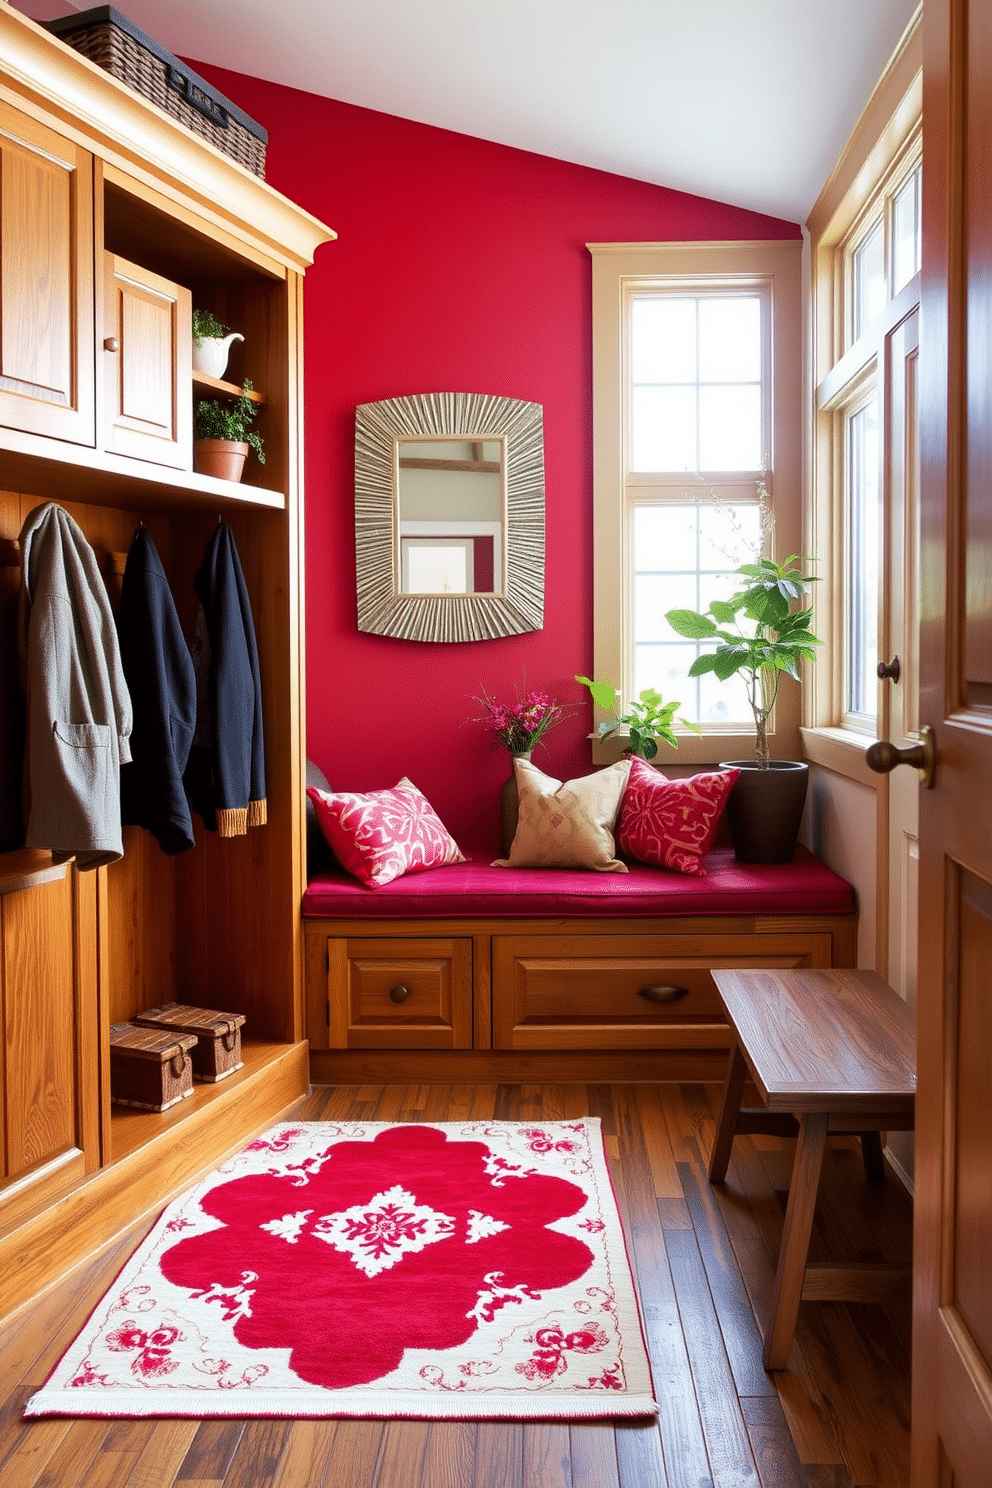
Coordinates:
<point>477,890</point>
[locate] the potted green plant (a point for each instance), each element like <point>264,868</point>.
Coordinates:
<point>211,343</point>
<point>222,435</point>
<point>648,720</point>
<point>761,634</point>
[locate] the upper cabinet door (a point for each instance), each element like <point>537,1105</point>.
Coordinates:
<point>46,282</point>
<point>148,365</point>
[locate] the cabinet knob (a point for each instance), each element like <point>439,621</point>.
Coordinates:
<point>399,994</point>
<point>665,993</point>
<point>111,344</point>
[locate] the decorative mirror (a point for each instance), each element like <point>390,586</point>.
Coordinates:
<point>449,516</point>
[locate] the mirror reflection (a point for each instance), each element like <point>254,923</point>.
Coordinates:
<point>451,515</point>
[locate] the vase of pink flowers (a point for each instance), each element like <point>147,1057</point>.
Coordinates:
<point>517,727</point>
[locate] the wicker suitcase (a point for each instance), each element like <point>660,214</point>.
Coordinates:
<point>149,1068</point>
<point>117,45</point>
<point>218,1036</point>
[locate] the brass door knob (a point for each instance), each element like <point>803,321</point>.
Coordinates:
<point>884,756</point>
<point>111,344</point>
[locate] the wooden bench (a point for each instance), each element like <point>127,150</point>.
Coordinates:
<point>836,1050</point>
<point>475,972</point>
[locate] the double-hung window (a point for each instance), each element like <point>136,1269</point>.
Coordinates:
<point>697,411</point>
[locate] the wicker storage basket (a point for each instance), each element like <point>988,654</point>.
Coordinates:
<point>149,1069</point>
<point>218,1036</point>
<point>117,45</point>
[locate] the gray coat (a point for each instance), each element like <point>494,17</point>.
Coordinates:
<point>79,710</point>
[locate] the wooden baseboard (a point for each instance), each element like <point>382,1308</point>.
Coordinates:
<point>41,1251</point>
<point>516,1067</point>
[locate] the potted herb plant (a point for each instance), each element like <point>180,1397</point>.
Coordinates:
<point>648,720</point>
<point>761,634</point>
<point>222,435</point>
<point>211,343</point>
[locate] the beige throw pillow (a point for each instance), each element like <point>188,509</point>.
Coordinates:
<point>567,825</point>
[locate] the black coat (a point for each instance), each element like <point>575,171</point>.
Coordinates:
<point>225,777</point>
<point>160,678</point>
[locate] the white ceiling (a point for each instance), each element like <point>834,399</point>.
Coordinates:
<point>744,101</point>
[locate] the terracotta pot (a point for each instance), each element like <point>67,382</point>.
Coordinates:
<point>509,804</point>
<point>223,458</point>
<point>765,809</point>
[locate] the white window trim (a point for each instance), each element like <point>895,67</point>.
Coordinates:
<point>617,267</point>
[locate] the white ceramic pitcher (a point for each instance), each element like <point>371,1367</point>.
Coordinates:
<point>210,354</point>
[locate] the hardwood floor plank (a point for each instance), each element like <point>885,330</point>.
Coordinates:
<point>401,1456</point>
<point>258,1453</point>
<point>594,1456</point>
<point>639,1455</point>
<point>70,1463</point>
<point>727,1444</point>
<point>547,1461</point>
<point>499,1456</point>
<point>32,1453</point>
<point>306,1455</point>
<point>774,1450</point>
<point>356,1452</point>
<point>449,1461</point>
<point>741,1337</point>
<point>211,1451</point>
<point>157,1464</point>
<point>683,1447</point>
<point>657,1142</point>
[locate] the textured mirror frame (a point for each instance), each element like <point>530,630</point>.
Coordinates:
<point>382,610</point>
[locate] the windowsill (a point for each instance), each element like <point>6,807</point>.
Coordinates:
<point>842,751</point>
<point>693,750</point>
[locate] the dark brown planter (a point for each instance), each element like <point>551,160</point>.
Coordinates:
<point>223,458</point>
<point>765,809</point>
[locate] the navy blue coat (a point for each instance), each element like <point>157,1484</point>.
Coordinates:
<point>160,678</point>
<point>225,777</point>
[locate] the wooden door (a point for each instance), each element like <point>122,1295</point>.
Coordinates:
<point>148,365</point>
<point>952,1344</point>
<point>46,282</point>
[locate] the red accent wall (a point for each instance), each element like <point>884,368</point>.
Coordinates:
<point>460,266</point>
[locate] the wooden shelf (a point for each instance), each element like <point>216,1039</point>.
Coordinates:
<point>28,867</point>
<point>70,472</point>
<point>208,384</point>
<point>131,1129</point>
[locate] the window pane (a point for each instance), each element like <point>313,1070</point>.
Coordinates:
<point>663,339</point>
<point>663,429</point>
<point>730,339</point>
<point>906,232</point>
<point>862,561</point>
<point>869,279</point>
<point>730,428</point>
<point>681,556</point>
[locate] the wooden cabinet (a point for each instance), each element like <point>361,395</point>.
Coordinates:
<point>46,281</point>
<point>94,175</point>
<point>147,364</point>
<point>49,1014</point>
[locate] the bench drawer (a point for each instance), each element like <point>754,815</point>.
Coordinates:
<point>399,994</point>
<point>615,992</point>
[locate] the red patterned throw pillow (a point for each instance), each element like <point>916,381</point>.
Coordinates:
<point>671,822</point>
<point>379,835</point>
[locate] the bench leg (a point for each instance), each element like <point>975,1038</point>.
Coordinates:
<point>733,1092</point>
<point>795,1239</point>
<point>871,1156</point>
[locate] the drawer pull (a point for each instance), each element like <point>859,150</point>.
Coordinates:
<point>664,993</point>
<point>399,994</point>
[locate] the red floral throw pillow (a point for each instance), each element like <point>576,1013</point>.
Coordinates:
<point>671,822</point>
<point>383,834</point>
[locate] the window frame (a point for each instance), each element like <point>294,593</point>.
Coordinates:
<point>620,270</point>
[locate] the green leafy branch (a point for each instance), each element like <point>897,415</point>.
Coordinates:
<point>648,720</point>
<point>767,647</point>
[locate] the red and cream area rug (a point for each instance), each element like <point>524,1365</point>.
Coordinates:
<point>456,1270</point>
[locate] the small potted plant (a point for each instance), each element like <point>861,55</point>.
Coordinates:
<point>222,435</point>
<point>211,343</point>
<point>760,636</point>
<point>648,720</point>
<point>517,727</point>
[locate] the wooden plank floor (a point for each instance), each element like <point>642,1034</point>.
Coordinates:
<point>703,1257</point>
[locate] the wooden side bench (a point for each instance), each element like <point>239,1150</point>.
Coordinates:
<point>836,1050</point>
